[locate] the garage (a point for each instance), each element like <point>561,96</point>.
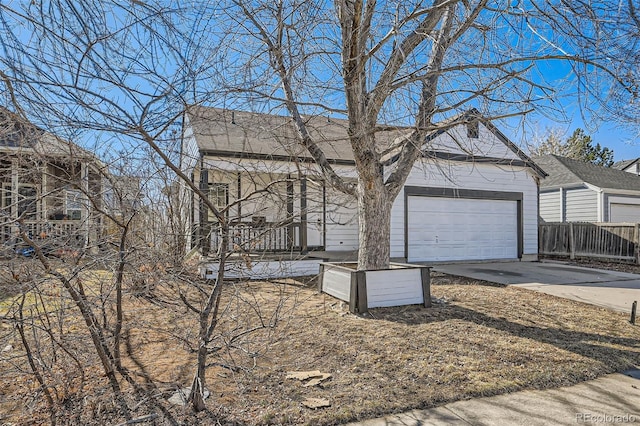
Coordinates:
<point>450,229</point>
<point>625,213</point>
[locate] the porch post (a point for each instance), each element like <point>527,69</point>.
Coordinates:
<point>290,228</point>
<point>203,229</point>
<point>324,215</point>
<point>14,189</point>
<point>239,196</point>
<point>13,208</point>
<point>303,215</point>
<point>84,185</point>
<point>43,193</point>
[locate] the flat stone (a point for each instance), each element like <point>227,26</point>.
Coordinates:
<point>315,403</point>
<point>181,396</point>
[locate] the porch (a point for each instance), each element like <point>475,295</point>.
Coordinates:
<point>254,238</point>
<point>271,212</point>
<point>51,235</point>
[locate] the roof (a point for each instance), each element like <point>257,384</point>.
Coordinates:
<point>240,133</point>
<point>624,164</point>
<point>565,171</point>
<point>219,131</point>
<point>19,135</point>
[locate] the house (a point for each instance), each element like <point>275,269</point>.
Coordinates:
<point>44,182</point>
<point>630,166</point>
<point>576,191</point>
<point>472,195</point>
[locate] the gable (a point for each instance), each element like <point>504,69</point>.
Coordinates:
<point>457,140</point>
<point>627,165</point>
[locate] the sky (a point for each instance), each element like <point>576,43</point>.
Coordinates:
<point>625,145</point>
<point>623,142</point>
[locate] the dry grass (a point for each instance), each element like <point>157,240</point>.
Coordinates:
<point>477,340</point>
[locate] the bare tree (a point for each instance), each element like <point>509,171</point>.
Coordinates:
<point>130,69</point>
<point>618,45</point>
<point>127,77</point>
<point>412,65</point>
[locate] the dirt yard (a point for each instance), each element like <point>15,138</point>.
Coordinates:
<point>477,340</point>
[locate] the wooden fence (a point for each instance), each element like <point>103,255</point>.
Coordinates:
<point>597,240</point>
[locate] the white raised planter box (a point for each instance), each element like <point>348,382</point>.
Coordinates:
<point>401,284</point>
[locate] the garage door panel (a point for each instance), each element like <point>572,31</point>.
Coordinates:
<point>625,213</point>
<point>443,229</point>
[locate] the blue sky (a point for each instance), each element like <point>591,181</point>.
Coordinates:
<point>623,140</point>
<point>624,143</point>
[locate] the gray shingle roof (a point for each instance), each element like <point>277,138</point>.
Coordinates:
<point>566,171</point>
<point>621,165</point>
<point>20,136</point>
<point>237,132</point>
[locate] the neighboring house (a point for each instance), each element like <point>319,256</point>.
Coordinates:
<point>576,191</point>
<point>43,185</point>
<point>472,196</point>
<point>123,202</point>
<point>630,166</point>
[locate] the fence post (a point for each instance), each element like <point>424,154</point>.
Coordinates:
<point>636,243</point>
<point>572,242</point>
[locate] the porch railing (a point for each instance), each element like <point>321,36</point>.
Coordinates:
<point>63,232</point>
<point>251,238</point>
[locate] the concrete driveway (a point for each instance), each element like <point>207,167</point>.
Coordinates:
<point>608,289</point>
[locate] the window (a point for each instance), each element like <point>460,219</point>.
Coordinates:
<point>27,201</point>
<point>473,129</point>
<point>73,204</point>
<point>219,194</point>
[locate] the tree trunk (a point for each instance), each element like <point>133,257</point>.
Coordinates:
<point>197,386</point>
<point>208,322</point>
<point>374,217</point>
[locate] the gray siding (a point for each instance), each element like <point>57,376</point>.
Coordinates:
<point>581,205</point>
<point>550,206</point>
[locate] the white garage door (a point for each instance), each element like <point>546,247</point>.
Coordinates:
<point>625,213</point>
<point>443,229</point>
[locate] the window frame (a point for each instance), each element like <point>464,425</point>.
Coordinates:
<point>217,186</point>
<point>73,213</point>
